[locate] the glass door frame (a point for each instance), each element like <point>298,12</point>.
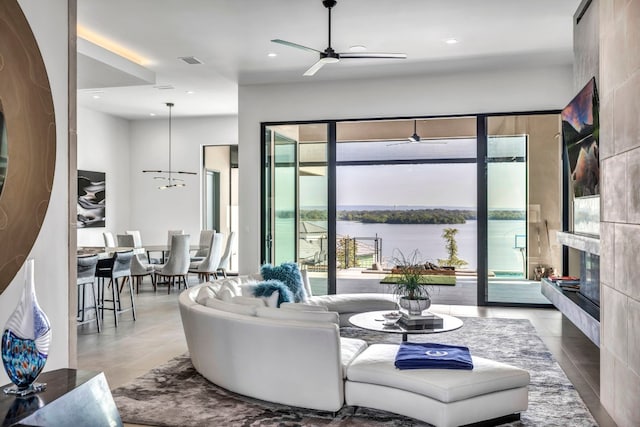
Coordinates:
<point>483,212</point>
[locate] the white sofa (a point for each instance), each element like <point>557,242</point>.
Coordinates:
<point>297,357</point>
<point>293,362</point>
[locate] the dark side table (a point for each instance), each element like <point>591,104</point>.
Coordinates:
<point>72,398</point>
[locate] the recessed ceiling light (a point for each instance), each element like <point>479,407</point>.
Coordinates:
<point>358,48</point>
<point>152,114</point>
<point>190,92</point>
<point>272,54</point>
<point>96,97</point>
<point>451,41</point>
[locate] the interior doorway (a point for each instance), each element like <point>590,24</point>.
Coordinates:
<point>220,193</point>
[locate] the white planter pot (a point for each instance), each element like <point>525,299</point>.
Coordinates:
<point>415,307</point>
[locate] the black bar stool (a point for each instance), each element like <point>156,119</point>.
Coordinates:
<point>119,267</point>
<point>87,276</point>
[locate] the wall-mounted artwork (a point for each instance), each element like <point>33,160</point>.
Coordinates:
<point>28,149</point>
<point>580,137</point>
<point>91,199</point>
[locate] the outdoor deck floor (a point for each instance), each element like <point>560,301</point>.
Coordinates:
<point>463,293</point>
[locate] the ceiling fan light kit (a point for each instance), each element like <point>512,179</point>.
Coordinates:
<point>330,56</point>
<point>167,175</point>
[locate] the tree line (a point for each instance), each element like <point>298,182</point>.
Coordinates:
<point>408,216</point>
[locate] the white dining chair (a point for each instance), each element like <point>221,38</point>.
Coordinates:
<point>109,240</point>
<point>205,243</point>
<point>226,256</point>
<point>137,238</point>
<point>209,265</point>
<point>177,265</point>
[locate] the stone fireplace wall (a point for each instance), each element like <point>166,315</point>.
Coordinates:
<point>620,209</point>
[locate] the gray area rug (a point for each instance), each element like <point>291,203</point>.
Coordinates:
<point>174,394</point>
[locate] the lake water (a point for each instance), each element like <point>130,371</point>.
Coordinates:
<point>427,238</point>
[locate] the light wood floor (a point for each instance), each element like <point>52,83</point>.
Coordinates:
<point>135,347</point>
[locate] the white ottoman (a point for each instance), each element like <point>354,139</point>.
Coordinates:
<point>442,397</point>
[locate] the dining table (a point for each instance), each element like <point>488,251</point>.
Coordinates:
<point>105,252</point>
<point>164,249</point>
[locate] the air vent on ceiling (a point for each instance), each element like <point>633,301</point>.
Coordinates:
<point>163,87</point>
<point>191,60</point>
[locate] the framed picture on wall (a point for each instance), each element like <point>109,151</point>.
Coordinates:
<point>91,199</point>
<point>580,137</point>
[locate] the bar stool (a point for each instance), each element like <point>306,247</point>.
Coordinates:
<point>87,276</point>
<point>118,268</point>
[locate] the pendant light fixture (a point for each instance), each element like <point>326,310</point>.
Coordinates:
<point>167,175</point>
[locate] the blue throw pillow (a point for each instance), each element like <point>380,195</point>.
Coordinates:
<point>268,287</point>
<point>289,274</point>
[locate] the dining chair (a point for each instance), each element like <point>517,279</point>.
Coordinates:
<point>137,238</point>
<point>177,265</point>
<point>109,241</point>
<point>209,265</point>
<point>205,243</point>
<point>118,268</point>
<point>139,267</point>
<point>226,256</point>
<point>87,276</point>
<point>170,234</point>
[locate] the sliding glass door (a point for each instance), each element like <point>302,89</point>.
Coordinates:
<point>522,206</point>
<point>295,182</point>
<point>343,198</point>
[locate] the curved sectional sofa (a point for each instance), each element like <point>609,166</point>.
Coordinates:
<point>294,355</point>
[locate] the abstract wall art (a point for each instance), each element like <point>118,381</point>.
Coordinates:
<point>91,199</point>
<point>580,136</point>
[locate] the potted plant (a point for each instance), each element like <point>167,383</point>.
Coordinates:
<point>411,287</point>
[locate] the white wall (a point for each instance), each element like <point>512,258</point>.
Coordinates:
<point>503,90</point>
<point>48,22</point>
<point>154,211</point>
<point>103,146</point>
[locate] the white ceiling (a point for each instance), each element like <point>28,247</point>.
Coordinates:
<point>232,39</point>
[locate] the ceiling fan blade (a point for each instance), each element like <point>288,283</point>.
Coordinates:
<point>399,143</point>
<point>373,55</point>
<point>297,46</point>
<point>314,68</point>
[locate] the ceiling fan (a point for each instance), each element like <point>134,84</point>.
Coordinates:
<point>330,56</point>
<point>415,138</point>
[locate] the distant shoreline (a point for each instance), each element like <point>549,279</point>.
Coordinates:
<point>407,216</point>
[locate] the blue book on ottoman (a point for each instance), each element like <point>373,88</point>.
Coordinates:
<point>432,356</point>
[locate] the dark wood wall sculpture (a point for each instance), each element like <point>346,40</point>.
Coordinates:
<point>27,105</point>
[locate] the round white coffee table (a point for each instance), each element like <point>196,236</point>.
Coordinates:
<point>373,321</point>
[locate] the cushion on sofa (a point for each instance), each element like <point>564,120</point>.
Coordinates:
<point>355,303</point>
<point>301,306</point>
<point>274,292</point>
<point>247,310</point>
<point>289,274</point>
<point>305,316</point>
<point>208,291</point>
<point>375,366</point>
<point>350,348</point>
<point>255,302</point>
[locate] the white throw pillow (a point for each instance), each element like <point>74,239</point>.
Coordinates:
<point>306,283</point>
<point>305,316</point>
<point>299,306</point>
<point>256,302</point>
<point>203,294</point>
<point>247,310</point>
<point>229,288</point>
<point>225,294</point>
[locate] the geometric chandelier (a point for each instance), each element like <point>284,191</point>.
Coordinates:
<point>171,182</point>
